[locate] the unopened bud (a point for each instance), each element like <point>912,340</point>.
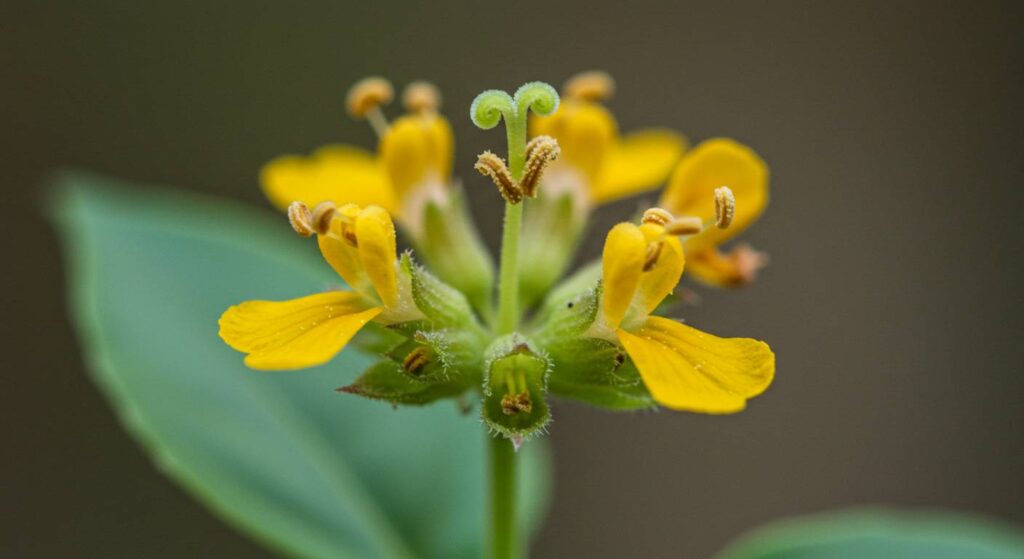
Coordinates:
<point>590,86</point>
<point>540,152</point>
<point>301,219</point>
<point>725,207</point>
<point>689,225</point>
<point>368,94</point>
<point>657,216</point>
<point>421,97</point>
<point>492,166</point>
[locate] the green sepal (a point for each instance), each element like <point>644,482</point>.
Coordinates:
<point>551,231</point>
<point>385,380</point>
<point>515,372</point>
<point>598,373</point>
<point>375,338</point>
<point>451,245</point>
<point>444,305</point>
<point>570,308</point>
<point>444,355</point>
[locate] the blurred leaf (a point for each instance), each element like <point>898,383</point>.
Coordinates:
<point>281,455</point>
<point>881,533</point>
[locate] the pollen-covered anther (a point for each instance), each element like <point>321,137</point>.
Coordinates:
<point>514,404</point>
<point>652,254</point>
<point>415,361</point>
<point>368,94</point>
<point>725,207</point>
<point>540,152</point>
<point>492,166</point>
<point>301,219</point>
<point>657,216</point>
<point>590,86</point>
<point>689,225</point>
<point>322,215</point>
<point>421,97</point>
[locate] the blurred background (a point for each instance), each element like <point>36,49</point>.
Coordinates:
<point>892,130</point>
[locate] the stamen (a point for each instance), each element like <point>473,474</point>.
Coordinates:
<point>417,359</point>
<point>725,207</point>
<point>365,99</point>
<point>651,257</point>
<point>301,219</point>
<point>590,86</point>
<point>657,216</point>
<point>323,213</point>
<point>492,166</point>
<point>421,97</point>
<point>513,404</point>
<point>540,152</point>
<point>689,225</point>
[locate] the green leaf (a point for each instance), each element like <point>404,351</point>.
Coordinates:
<point>880,533</point>
<point>284,457</point>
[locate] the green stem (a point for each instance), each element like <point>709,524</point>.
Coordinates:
<point>504,542</point>
<point>508,280</point>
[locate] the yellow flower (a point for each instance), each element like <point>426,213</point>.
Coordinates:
<point>690,191</point>
<point>598,165</point>
<point>413,165</point>
<point>682,367</point>
<point>359,243</point>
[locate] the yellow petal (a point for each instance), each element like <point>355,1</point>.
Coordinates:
<point>342,174</point>
<point>641,161</point>
<point>417,148</point>
<point>342,254</point>
<point>585,133</point>
<point>686,369</point>
<point>715,163</point>
<point>294,334</point>
<point>659,281</point>
<point>376,235</point>
<point>622,265</point>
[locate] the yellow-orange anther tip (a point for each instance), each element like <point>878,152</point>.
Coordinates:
<point>725,207</point>
<point>368,94</point>
<point>421,96</point>
<point>657,216</point>
<point>301,219</point>
<point>594,85</point>
<point>689,225</point>
<point>323,213</point>
<point>490,165</point>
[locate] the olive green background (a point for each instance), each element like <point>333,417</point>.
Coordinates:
<point>893,131</point>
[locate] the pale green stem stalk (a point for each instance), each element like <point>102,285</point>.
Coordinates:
<point>508,280</point>
<point>504,537</point>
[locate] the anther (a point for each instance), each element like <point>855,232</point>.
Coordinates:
<point>725,207</point>
<point>301,219</point>
<point>365,99</point>
<point>323,213</point>
<point>657,216</point>
<point>689,225</point>
<point>540,152</point>
<point>513,404</point>
<point>492,166</point>
<point>415,361</point>
<point>590,86</point>
<point>651,256</point>
<point>421,97</point>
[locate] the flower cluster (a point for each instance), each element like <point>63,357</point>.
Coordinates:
<point>439,329</point>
